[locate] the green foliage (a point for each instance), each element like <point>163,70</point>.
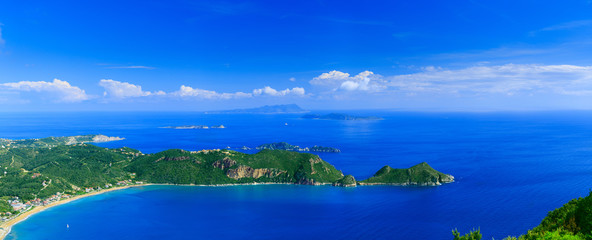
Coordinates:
<point>473,235</point>
<point>38,168</point>
<point>420,174</point>
<point>572,221</point>
<point>347,180</point>
<point>583,216</point>
<point>62,168</point>
<point>278,146</point>
<point>49,141</point>
<point>178,167</point>
<point>5,206</point>
<point>21,184</point>
<point>183,167</point>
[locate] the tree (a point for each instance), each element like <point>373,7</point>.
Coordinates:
<point>473,235</point>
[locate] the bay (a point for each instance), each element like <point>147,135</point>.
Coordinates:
<point>511,169</point>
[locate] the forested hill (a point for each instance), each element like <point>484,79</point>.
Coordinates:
<point>39,168</point>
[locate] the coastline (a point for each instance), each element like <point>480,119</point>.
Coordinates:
<point>6,227</point>
<point>232,184</point>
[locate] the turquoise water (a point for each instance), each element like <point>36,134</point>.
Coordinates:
<point>511,169</point>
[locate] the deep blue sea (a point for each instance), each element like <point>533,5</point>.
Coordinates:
<point>510,169</point>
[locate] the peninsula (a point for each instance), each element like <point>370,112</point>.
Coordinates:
<point>40,173</point>
<point>55,141</point>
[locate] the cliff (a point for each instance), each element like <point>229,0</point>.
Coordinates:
<point>230,167</point>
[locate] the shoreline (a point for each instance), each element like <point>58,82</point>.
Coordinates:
<point>6,227</point>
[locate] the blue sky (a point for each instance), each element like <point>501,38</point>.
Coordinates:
<point>206,55</point>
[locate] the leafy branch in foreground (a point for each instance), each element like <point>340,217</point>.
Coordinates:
<point>572,221</point>
<point>473,235</point>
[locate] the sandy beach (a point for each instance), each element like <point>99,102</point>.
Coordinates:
<point>6,226</point>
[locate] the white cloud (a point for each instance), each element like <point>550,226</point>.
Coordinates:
<point>297,91</point>
<point>292,79</point>
<point>504,79</point>
<point>118,89</point>
<point>330,79</point>
<point>62,90</point>
<point>509,79</point>
<point>364,81</point>
<point>186,91</point>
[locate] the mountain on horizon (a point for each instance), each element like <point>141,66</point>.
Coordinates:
<point>267,109</point>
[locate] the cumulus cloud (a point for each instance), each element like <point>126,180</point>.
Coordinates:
<point>186,91</point>
<point>118,89</point>
<point>504,79</point>
<point>330,79</point>
<point>62,90</point>
<point>297,91</point>
<point>292,79</point>
<point>364,81</point>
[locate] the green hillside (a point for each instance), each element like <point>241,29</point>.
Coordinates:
<point>227,167</point>
<point>421,174</point>
<point>39,168</point>
<point>40,172</point>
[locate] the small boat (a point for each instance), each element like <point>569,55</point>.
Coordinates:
<point>67,226</point>
<point>286,124</point>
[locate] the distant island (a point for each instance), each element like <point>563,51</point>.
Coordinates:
<point>267,109</point>
<point>289,147</point>
<point>57,170</point>
<point>55,141</point>
<point>194,127</point>
<point>340,116</point>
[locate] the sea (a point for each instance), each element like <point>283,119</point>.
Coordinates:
<point>511,169</point>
